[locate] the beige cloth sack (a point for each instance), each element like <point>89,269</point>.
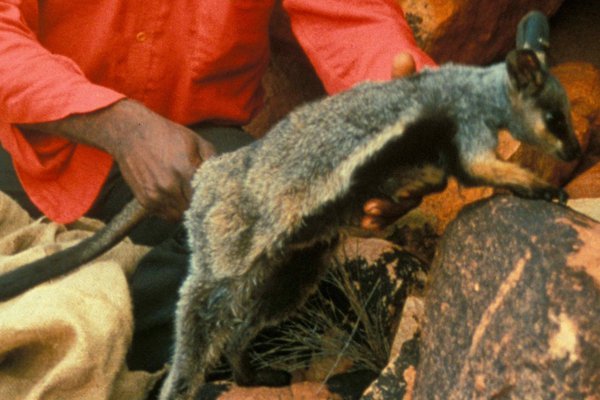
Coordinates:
<point>66,339</point>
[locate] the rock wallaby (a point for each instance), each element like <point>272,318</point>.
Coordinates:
<point>261,217</point>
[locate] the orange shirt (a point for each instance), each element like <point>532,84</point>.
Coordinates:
<point>190,61</point>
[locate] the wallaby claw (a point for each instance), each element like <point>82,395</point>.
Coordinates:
<point>546,192</point>
<point>553,193</point>
<point>563,196</point>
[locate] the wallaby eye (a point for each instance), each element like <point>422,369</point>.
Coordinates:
<point>550,117</point>
<point>555,122</point>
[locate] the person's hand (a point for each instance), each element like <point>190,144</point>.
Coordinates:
<point>403,65</point>
<point>157,158</point>
<point>379,212</point>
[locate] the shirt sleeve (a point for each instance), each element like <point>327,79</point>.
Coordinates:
<point>36,85</point>
<point>350,42</point>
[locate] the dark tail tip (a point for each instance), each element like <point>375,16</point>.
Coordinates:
<point>29,275</point>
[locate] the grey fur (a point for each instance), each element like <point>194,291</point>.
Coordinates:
<point>261,216</point>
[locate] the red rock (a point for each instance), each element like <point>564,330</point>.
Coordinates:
<point>445,206</point>
<point>397,379</point>
<point>296,391</point>
<point>589,207</point>
<point>586,185</point>
<point>513,305</point>
<point>469,31</point>
<point>582,81</point>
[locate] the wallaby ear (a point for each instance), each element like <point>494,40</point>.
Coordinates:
<point>533,32</point>
<point>525,71</point>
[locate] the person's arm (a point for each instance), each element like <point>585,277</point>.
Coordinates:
<point>36,85</point>
<point>49,93</point>
<point>350,43</point>
<point>157,157</point>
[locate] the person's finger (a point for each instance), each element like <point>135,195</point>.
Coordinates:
<point>181,200</point>
<point>167,202</point>
<point>172,208</point>
<point>170,214</point>
<point>205,149</point>
<point>403,65</point>
<point>186,192</point>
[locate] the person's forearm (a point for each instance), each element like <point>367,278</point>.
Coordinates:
<point>37,84</point>
<point>156,157</point>
<point>348,45</point>
<point>102,128</point>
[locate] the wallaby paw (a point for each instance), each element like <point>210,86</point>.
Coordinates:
<point>553,193</point>
<point>546,192</point>
<point>563,197</point>
<point>266,377</point>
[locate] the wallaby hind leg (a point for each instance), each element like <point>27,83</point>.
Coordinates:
<point>227,314</point>
<point>238,355</point>
<point>276,297</point>
<point>203,326</point>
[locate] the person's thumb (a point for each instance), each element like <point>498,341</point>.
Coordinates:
<point>403,65</point>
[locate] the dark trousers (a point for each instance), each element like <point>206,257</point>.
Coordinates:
<point>156,281</point>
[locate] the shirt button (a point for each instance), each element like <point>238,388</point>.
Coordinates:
<point>141,36</point>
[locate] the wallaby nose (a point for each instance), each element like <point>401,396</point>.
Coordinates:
<point>571,152</point>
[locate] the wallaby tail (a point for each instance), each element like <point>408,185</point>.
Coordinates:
<point>29,275</point>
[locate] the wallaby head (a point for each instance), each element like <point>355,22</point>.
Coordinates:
<point>541,107</point>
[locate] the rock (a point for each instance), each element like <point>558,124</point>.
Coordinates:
<point>469,31</point>
<point>350,322</point>
<point>410,323</point>
<point>574,33</point>
<point>214,390</point>
<point>585,99</point>
<point>513,305</point>
<point>582,84</point>
<point>588,207</point>
<point>297,391</point>
<point>396,380</point>
<point>586,184</point>
<point>444,206</point>
<point>415,233</point>
<point>323,366</point>
<point>350,385</point>
<point>381,275</point>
